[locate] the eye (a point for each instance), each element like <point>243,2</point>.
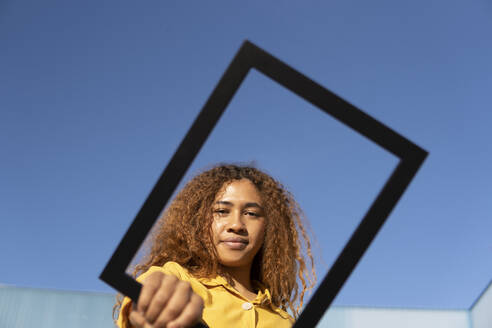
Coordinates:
<point>221,211</point>
<point>252,213</point>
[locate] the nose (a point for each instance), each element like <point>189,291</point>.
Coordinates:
<point>235,222</point>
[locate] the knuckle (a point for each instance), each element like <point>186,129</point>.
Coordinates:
<point>157,274</point>
<point>197,298</point>
<point>163,293</point>
<point>159,301</point>
<point>173,311</point>
<point>176,324</point>
<point>136,319</point>
<point>170,278</point>
<point>198,301</point>
<point>148,285</point>
<point>144,308</point>
<point>143,304</point>
<point>160,324</point>
<point>185,285</point>
<point>154,278</point>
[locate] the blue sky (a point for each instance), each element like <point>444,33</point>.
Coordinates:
<point>95,98</point>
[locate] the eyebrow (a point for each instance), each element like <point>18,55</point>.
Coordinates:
<point>222,202</point>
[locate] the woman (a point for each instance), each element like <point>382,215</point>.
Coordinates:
<point>226,252</point>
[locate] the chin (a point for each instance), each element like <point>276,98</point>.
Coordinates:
<point>230,261</point>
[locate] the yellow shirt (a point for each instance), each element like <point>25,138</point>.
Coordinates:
<point>224,306</point>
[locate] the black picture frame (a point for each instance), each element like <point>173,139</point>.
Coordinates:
<point>248,57</point>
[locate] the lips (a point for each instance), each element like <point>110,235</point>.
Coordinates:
<point>236,244</point>
<point>235,240</point>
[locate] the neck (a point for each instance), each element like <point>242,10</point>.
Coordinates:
<point>241,276</point>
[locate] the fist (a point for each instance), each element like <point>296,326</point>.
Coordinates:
<point>166,302</point>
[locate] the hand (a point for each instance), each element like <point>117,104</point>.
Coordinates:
<point>166,302</point>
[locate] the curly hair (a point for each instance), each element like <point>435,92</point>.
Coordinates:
<point>278,263</point>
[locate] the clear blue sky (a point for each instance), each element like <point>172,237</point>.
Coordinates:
<point>96,96</point>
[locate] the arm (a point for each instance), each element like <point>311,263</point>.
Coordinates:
<point>165,301</point>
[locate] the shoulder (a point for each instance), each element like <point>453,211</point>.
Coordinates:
<point>180,272</point>
<point>175,269</point>
<point>169,268</point>
<point>286,316</point>
<point>265,299</point>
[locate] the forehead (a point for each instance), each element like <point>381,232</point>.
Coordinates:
<point>239,190</point>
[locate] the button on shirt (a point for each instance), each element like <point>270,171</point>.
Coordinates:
<point>225,307</point>
<point>247,306</point>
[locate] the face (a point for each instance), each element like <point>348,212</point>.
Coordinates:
<point>238,226</point>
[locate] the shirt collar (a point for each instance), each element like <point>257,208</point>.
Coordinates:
<point>263,292</point>
<point>217,281</point>
<point>264,297</point>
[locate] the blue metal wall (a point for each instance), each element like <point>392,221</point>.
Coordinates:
<point>44,308</point>
<point>22,307</point>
